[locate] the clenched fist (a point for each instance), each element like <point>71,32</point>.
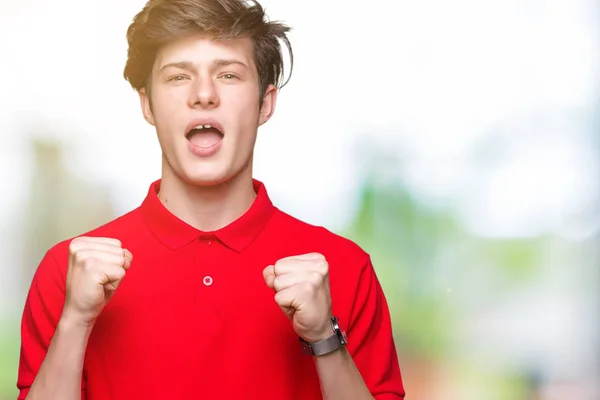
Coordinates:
<point>96,268</point>
<point>301,285</point>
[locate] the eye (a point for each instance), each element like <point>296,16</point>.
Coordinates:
<point>229,76</point>
<point>177,78</point>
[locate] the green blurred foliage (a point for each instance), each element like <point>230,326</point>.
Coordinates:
<point>9,357</point>
<point>403,239</point>
<point>435,273</point>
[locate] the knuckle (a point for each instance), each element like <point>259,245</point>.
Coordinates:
<point>89,264</point>
<point>74,245</point>
<point>315,280</point>
<point>79,256</point>
<point>120,273</point>
<point>277,284</point>
<point>323,266</point>
<point>277,268</point>
<point>307,286</point>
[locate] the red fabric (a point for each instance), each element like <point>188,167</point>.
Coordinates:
<point>193,317</point>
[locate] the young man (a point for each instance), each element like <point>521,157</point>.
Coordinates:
<point>207,290</point>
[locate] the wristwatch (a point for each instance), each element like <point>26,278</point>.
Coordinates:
<point>326,346</point>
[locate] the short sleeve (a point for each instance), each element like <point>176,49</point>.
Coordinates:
<point>43,308</point>
<point>370,339</point>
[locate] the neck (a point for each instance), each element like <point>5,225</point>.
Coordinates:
<point>207,208</point>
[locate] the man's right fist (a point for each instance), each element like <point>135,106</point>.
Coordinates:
<point>96,268</point>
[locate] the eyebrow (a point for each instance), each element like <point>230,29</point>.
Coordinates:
<point>188,66</point>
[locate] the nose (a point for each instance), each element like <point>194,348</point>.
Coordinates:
<point>204,94</point>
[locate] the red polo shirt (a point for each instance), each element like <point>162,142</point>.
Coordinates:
<point>193,317</point>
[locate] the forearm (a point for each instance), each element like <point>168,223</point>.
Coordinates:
<point>60,374</point>
<point>339,377</point>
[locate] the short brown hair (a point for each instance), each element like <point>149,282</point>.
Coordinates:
<point>162,21</point>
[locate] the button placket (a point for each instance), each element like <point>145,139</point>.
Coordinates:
<point>206,283</point>
<point>206,262</point>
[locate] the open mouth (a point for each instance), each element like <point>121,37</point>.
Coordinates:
<point>204,135</point>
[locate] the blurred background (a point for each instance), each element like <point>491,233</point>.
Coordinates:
<point>457,142</point>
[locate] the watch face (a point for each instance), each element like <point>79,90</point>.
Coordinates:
<point>334,324</point>
<point>336,328</point>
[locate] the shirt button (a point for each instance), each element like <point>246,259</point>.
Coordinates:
<point>207,280</point>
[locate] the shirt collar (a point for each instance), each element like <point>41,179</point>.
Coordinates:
<point>175,233</point>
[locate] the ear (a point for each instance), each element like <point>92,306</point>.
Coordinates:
<point>268,104</point>
<point>146,105</point>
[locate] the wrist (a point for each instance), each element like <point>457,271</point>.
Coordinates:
<point>70,321</point>
<point>322,332</point>
<point>332,341</point>
<point>320,335</point>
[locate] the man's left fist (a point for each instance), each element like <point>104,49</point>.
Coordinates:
<point>301,285</point>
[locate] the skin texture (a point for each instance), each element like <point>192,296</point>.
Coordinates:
<point>198,77</point>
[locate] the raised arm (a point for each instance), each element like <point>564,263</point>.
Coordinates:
<point>60,313</point>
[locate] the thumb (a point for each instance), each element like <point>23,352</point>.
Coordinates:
<point>111,277</point>
<point>269,276</point>
<point>288,311</point>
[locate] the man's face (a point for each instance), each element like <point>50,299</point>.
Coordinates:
<point>205,107</point>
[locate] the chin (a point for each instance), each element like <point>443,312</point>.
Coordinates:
<point>206,173</point>
<point>206,178</point>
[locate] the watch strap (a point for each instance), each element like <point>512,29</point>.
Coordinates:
<point>320,348</point>
<point>326,346</point>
